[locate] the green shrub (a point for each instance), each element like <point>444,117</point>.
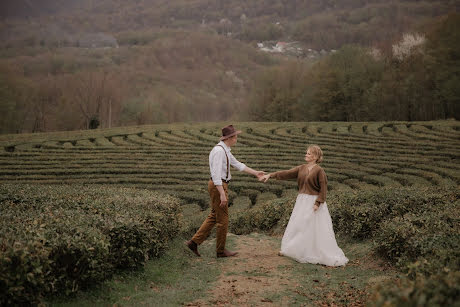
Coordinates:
<point>128,245</point>
<point>432,235</point>
<point>23,266</point>
<point>77,261</point>
<point>241,203</point>
<point>358,221</point>
<point>360,213</point>
<point>251,193</point>
<point>268,214</point>
<point>393,240</point>
<point>59,239</point>
<point>192,218</point>
<point>442,289</point>
<point>240,222</point>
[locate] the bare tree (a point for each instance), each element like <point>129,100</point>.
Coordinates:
<point>97,95</point>
<point>45,100</point>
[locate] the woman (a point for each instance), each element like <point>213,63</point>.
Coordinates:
<point>309,236</point>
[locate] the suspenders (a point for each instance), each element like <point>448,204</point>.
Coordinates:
<point>228,166</point>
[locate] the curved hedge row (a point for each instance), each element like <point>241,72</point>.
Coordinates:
<point>359,156</point>
<point>59,239</point>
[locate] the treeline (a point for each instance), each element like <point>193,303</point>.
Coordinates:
<point>416,80</point>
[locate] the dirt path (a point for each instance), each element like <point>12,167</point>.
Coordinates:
<point>252,277</point>
<point>259,277</point>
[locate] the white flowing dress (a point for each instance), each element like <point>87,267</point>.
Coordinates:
<point>309,236</point>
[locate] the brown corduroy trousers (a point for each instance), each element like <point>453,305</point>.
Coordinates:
<point>218,217</point>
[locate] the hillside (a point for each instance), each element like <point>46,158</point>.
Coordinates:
<point>87,64</point>
<point>170,76</point>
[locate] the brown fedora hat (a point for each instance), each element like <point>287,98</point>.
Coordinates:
<point>228,132</point>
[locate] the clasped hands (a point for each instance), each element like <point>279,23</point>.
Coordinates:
<point>262,176</point>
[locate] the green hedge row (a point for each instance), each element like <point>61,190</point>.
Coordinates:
<point>269,215</point>
<point>441,289</point>
<point>424,242</point>
<point>59,239</point>
<point>406,224</point>
<point>360,214</point>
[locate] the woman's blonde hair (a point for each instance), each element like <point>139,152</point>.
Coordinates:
<point>316,151</point>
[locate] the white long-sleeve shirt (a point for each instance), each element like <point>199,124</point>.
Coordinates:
<point>218,163</point>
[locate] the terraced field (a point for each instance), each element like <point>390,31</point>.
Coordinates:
<point>174,158</point>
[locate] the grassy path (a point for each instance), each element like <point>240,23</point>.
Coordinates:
<point>256,277</point>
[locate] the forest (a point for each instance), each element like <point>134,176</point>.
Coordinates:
<point>83,64</point>
<point>418,81</point>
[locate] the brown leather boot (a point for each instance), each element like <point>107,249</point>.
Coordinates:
<point>226,253</point>
<point>193,247</point>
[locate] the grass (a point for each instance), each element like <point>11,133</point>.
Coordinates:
<point>174,279</point>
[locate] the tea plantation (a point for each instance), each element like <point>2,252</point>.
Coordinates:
<point>174,158</point>
<point>395,183</point>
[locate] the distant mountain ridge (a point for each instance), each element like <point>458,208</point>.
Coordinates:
<point>320,24</point>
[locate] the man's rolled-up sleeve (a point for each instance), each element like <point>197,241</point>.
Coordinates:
<point>236,164</point>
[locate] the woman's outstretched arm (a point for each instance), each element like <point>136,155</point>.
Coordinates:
<point>282,175</point>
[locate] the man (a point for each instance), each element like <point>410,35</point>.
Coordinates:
<point>220,160</point>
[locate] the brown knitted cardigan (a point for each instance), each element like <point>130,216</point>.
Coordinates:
<point>312,182</point>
